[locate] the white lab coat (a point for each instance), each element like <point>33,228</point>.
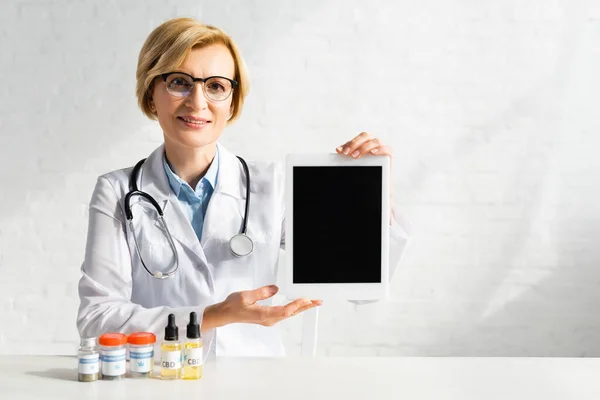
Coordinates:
<point>118,295</point>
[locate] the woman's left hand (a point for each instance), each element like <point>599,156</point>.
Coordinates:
<point>362,144</point>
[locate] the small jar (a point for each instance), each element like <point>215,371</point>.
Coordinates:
<point>88,360</point>
<point>141,354</point>
<point>112,355</point>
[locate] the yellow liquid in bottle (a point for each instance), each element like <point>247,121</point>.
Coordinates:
<point>170,363</point>
<point>192,360</point>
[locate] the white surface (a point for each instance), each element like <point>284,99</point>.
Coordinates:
<point>321,378</point>
<point>335,291</point>
<point>491,108</point>
<point>310,332</point>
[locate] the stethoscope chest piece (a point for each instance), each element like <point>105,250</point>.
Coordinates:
<point>241,245</point>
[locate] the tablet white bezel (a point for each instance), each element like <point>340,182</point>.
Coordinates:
<point>347,291</point>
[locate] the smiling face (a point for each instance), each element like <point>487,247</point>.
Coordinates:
<point>193,121</point>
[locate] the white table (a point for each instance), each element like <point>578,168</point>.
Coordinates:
<point>29,377</point>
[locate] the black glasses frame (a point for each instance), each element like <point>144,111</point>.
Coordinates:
<point>234,83</point>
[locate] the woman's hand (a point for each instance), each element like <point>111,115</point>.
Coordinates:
<point>242,307</point>
<point>363,144</point>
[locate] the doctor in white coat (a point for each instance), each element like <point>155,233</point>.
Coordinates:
<point>201,188</point>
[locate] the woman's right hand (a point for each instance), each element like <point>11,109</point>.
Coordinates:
<point>242,307</point>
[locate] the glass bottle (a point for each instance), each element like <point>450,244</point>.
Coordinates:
<point>170,352</point>
<point>88,360</point>
<point>192,350</point>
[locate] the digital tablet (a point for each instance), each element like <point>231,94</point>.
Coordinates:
<point>337,227</point>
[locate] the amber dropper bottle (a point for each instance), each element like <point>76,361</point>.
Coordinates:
<point>192,350</point>
<point>170,352</point>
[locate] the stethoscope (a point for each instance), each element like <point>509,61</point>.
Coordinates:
<point>240,244</point>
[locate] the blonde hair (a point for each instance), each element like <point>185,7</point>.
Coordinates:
<point>166,48</point>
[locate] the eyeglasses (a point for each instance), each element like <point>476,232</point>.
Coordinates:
<point>215,88</point>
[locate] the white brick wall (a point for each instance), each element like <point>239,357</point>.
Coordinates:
<point>491,107</point>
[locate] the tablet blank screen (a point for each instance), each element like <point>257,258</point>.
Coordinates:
<point>337,224</point>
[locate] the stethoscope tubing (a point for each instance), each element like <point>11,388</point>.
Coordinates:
<point>134,191</point>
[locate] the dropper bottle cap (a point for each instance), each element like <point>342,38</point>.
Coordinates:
<point>193,329</point>
<point>171,330</point>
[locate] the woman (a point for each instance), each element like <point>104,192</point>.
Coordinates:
<point>192,79</point>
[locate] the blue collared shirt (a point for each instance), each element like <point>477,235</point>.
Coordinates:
<point>194,202</point>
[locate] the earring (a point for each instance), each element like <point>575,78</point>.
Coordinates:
<point>152,108</point>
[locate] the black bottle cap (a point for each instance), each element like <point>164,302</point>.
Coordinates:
<point>171,330</point>
<point>193,329</point>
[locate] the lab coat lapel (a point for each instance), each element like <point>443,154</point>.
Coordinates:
<point>153,180</point>
<point>226,207</point>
